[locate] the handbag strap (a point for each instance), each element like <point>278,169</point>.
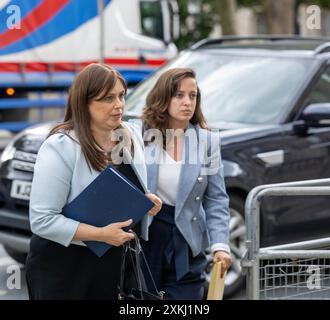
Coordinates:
<point>122,272</point>
<point>149,271</point>
<point>138,270</point>
<point>128,253</point>
<point>138,252</point>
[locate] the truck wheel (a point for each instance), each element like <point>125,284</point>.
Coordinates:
<point>16,255</point>
<point>234,279</point>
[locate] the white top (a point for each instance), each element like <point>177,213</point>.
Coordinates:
<point>168,178</point>
<point>167,188</point>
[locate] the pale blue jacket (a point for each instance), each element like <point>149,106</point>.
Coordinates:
<point>61,172</point>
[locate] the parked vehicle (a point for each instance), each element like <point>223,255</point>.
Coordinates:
<point>270,97</point>
<point>56,39</point>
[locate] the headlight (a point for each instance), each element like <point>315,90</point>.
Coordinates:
<point>8,153</point>
<point>29,146</point>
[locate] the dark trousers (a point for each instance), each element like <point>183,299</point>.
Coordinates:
<point>164,269</point>
<point>57,272</point>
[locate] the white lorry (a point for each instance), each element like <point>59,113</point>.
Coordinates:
<point>44,43</point>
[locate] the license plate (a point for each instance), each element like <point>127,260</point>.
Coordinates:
<point>20,190</point>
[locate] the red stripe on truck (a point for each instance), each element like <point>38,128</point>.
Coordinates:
<point>36,18</point>
<point>73,66</point>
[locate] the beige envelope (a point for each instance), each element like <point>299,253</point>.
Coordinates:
<point>217,284</point>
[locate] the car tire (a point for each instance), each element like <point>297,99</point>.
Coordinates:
<point>234,279</point>
<point>16,255</point>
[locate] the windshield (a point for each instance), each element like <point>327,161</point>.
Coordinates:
<point>243,89</point>
<point>151,19</point>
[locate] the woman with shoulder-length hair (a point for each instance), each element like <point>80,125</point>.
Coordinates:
<point>59,265</point>
<point>185,171</point>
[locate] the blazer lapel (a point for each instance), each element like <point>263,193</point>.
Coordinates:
<point>152,157</point>
<point>138,165</point>
<point>190,169</point>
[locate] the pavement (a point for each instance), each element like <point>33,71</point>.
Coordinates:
<point>12,278</point>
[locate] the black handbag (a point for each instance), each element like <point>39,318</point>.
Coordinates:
<point>132,285</point>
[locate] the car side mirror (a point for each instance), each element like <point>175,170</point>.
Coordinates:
<point>316,115</point>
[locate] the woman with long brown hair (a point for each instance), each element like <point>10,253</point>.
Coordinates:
<point>185,171</point>
<point>59,265</point>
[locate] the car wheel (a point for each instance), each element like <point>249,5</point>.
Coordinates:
<point>16,255</point>
<point>234,280</point>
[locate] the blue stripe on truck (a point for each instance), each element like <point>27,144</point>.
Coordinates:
<point>22,103</point>
<point>65,21</point>
<point>25,7</point>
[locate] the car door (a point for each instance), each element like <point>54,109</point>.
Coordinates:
<point>306,156</point>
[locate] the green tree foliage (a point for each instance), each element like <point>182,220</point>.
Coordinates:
<point>248,3</point>
<point>199,26</point>
<point>204,22</point>
<point>321,3</point>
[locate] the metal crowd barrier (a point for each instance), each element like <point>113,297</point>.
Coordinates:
<point>291,271</point>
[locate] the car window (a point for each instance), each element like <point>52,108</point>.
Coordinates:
<point>321,91</point>
<point>250,90</point>
<point>243,89</point>
<point>151,19</point>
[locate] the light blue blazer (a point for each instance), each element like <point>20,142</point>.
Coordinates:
<point>201,211</point>
<point>61,172</point>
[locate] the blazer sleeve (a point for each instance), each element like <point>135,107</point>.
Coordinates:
<point>50,189</point>
<point>216,206</point>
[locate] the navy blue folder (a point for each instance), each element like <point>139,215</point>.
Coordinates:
<point>109,198</point>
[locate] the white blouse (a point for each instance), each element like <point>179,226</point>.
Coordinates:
<point>168,178</point>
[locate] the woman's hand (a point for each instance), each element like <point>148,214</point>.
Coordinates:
<point>158,204</point>
<point>224,258</point>
<point>114,234</point>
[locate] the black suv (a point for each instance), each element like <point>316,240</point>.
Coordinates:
<point>269,96</point>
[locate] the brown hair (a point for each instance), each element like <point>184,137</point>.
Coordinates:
<point>155,113</point>
<point>93,83</point>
